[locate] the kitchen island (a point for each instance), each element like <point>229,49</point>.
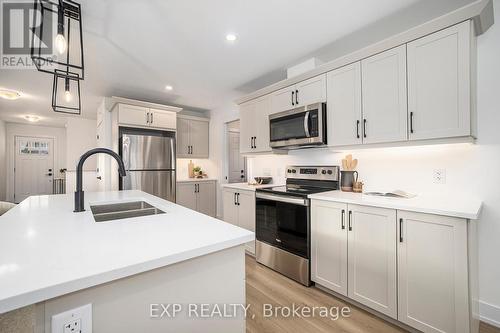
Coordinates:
<point>127,268</point>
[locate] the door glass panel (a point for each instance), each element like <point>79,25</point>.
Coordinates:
<point>31,147</point>
<point>289,127</point>
<point>283,225</point>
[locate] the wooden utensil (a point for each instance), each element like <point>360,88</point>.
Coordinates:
<point>344,164</point>
<point>354,164</point>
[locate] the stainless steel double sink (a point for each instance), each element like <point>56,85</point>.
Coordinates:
<point>123,210</point>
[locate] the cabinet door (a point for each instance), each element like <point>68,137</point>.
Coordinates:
<point>205,201</point>
<point>246,215</point>
<point>384,96</point>
<point>262,109</point>
<point>186,196</point>
<point>183,150</point>
<point>198,131</point>
<point>439,84</point>
<point>162,119</point>
<point>247,126</point>
<point>329,245</point>
<point>372,258</point>
<point>432,272</point>
<point>133,115</point>
<point>283,99</point>
<point>344,106</point>
<point>311,91</point>
<point>230,210</point>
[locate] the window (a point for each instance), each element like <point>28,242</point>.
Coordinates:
<point>30,147</point>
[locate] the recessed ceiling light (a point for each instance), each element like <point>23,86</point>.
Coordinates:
<point>9,94</point>
<point>230,37</point>
<point>31,118</point>
<point>169,87</point>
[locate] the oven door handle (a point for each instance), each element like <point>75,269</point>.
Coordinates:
<point>306,125</point>
<point>280,198</point>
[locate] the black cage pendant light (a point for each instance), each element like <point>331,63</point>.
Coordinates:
<point>66,93</point>
<point>57,43</point>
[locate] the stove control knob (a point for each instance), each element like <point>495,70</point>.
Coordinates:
<point>294,171</point>
<point>323,172</point>
<point>289,171</point>
<point>330,172</point>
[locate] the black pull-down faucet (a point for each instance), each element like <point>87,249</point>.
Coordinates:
<point>79,198</point>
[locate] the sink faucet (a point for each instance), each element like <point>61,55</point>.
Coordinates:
<point>79,198</point>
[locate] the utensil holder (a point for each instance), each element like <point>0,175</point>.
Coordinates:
<point>347,179</point>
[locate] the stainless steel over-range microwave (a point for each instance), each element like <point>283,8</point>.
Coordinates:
<point>299,127</point>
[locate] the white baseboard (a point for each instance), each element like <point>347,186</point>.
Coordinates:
<point>489,313</point>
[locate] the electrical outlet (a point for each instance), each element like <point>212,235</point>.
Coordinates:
<point>439,176</point>
<point>77,320</point>
<point>75,326</point>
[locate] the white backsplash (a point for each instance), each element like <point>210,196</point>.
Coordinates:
<point>206,165</point>
<point>384,169</point>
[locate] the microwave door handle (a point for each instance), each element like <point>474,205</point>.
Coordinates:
<point>306,125</point>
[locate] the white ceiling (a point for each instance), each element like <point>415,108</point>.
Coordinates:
<point>134,48</point>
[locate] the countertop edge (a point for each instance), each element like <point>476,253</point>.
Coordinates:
<point>43,294</point>
<point>402,206</point>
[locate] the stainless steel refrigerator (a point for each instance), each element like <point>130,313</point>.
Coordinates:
<point>149,158</point>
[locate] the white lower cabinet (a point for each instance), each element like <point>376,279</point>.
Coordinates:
<point>239,209</point>
<point>199,196</point>
<point>413,267</point>
<point>433,273</point>
<point>371,245</point>
<point>329,245</point>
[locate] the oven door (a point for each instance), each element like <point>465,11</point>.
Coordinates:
<point>298,127</point>
<point>283,222</point>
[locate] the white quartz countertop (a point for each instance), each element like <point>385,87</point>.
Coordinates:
<point>247,187</point>
<point>46,250</point>
<point>196,180</point>
<point>454,206</point>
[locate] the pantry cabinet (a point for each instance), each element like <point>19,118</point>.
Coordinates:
<point>199,196</point>
<point>139,116</point>
<point>439,83</point>
<point>384,96</point>
<point>306,92</point>
<point>432,272</point>
<point>372,258</point>
<point>254,126</point>
<point>192,137</point>
<point>344,106</point>
<point>239,210</point>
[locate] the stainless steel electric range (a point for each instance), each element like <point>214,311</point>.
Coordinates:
<point>283,220</point>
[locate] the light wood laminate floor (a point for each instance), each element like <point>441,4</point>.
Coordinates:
<point>264,286</point>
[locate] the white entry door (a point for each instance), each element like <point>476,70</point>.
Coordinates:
<point>237,170</point>
<point>34,167</point>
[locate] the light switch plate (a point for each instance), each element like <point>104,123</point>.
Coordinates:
<point>77,320</point>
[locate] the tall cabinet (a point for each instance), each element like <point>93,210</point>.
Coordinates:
<point>254,129</point>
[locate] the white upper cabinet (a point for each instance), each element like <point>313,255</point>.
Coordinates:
<point>162,119</point>
<point>311,91</point>
<point>432,273</point>
<point>306,92</point>
<point>439,83</point>
<point>344,106</point>
<point>139,116</point>
<point>133,115</point>
<point>329,245</point>
<point>192,137</point>
<point>254,125</point>
<point>372,258</point>
<point>384,97</point>
<point>283,99</point>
